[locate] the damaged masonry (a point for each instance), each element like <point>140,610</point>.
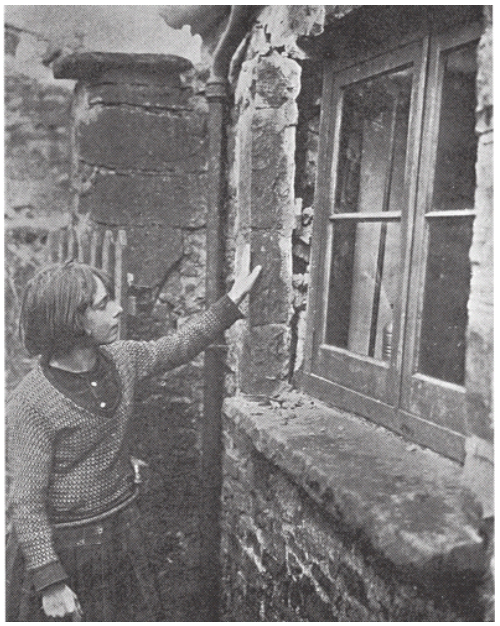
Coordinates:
<point>333,459</point>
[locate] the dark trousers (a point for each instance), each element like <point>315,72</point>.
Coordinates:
<point>108,569</point>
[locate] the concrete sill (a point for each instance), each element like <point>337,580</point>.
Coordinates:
<point>407,502</point>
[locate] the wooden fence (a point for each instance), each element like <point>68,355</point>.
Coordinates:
<point>105,249</point>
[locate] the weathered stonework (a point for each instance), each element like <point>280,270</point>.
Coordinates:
<point>480,323</point>
<point>290,552</point>
<point>140,141</point>
<point>323,520</point>
<point>37,131</point>
<point>329,518</point>
<point>264,178</point>
<point>140,155</point>
<point>479,461</point>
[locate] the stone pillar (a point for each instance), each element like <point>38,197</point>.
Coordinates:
<point>265,150</point>
<point>479,457</point>
<point>140,163</point>
<point>479,359</point>
<point>140,150</point>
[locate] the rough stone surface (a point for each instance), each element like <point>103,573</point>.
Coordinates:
<point>329,518</point>
<point>176,200</point>
<point>277,79</point>
<point>131,139</point>
<point>262,203</point>
<point>152,251</point>
<point>264,362</point>
<point>273,168</point>
<point>479,356</point>
<point>147,96</point>
<point>37,163</point>
<point>271,301</point>
<point>141,164</point>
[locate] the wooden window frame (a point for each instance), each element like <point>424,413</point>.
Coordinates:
<point>387,396</point>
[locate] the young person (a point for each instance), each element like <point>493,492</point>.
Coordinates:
<point>75,551</point>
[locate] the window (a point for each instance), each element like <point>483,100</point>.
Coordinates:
<point>393,227</point>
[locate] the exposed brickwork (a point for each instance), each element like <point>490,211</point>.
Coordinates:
<point>290,557</point>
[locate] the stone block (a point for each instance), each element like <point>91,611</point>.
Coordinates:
<point>271,300</point>
<point>273,172</point>
<point>265,358</point>
<point>152,251</point>
<point>145,95</point>
<point>179,201</point>
<point>277,79</point>
<point>128,139</point>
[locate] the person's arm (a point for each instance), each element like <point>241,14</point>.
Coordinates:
<point>195,335</point>
<point>30,459</point>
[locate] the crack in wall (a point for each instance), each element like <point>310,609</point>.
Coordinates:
<point>145,172</point>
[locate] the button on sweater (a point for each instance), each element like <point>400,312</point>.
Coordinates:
<point>70,463</point>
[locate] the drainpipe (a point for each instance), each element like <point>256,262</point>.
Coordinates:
<point>211,427</point>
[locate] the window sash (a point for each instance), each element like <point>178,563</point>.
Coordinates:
<point>370,377</point>
<point>438,401</point>
<point>424,409</point>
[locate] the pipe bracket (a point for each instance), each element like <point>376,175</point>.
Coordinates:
<point>216,88</point>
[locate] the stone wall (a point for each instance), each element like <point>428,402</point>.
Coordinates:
<point>37,132</point>
<point>299,542</point>
<point>479,370</point>
<point>140,164</point>
<point>289,554</point>
<point>37,186</point>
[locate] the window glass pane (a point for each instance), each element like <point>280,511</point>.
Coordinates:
<point>455,179</point>
<point>372,151</point>
<point>444,319</point>
<point>364,279</point>
<point>366,256</point>
<point>447,284</point>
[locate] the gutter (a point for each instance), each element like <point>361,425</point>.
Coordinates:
<point>211,427</point>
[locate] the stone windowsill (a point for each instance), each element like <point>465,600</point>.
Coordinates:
<point>408,501</point>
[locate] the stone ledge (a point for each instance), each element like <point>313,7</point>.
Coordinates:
<point>91,65</point>
<point>408,502</point>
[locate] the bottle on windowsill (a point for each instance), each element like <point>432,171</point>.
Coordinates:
<point>387,340</point>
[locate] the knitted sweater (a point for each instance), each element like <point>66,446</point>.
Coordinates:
<point>68,463</point>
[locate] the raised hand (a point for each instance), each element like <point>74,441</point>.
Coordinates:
<point>243,284</point>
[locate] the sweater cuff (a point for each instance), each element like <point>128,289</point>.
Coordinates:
<point>48,575</point>
<point>228,309</point>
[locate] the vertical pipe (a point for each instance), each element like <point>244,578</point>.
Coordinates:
<point>211,427</point>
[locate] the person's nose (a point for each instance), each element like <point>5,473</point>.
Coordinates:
<point>118,309</point>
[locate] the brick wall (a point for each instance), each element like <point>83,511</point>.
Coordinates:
<point>288,558</point>
<point>140,163</point>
